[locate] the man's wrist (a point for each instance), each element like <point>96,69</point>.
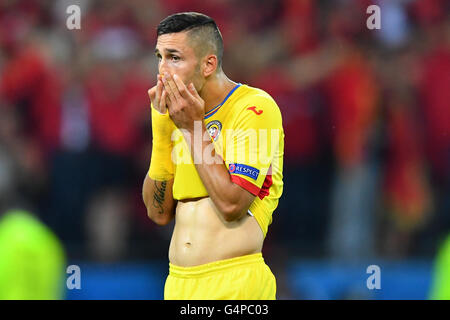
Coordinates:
<point>162,126</point>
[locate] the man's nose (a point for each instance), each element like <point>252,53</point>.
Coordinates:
<point>163,67</point>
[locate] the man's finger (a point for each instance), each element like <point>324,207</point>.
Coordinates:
<point>182,87</point>
<point>167,98</point>
<point>159,88</point>
<point>162,102</point>
<point>151,93</point>
<point>171,88</point>
<point>193,91</point>
<point>157,97</point>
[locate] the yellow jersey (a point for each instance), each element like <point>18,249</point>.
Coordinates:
<point>247,133</point>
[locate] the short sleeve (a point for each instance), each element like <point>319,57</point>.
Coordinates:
<point>252,142</point>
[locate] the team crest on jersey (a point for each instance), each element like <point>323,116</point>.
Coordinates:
<point>214,128</point>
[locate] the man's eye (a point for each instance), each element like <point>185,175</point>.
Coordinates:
<point>175,58</point>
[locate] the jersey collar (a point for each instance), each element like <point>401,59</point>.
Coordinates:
<point>216,108</point>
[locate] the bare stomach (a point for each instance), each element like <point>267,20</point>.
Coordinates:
<point>201,235</point>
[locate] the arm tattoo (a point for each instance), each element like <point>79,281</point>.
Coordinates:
<point>159,195</point>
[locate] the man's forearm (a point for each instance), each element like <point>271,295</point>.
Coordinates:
<point>158,199</point>
<point>231,200</point>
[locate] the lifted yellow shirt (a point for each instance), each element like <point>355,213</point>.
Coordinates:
<point>247,132</point>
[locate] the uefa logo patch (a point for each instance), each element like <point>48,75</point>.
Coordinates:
<point>238,168</point>
<point>214,128</point>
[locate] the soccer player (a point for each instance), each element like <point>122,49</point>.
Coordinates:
<point>222,189</point>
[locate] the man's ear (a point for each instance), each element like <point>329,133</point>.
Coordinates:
<point>209,65</point>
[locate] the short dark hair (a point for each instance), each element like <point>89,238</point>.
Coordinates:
<point>199,23</point>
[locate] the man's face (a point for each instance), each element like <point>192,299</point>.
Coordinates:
<point>176,56</point>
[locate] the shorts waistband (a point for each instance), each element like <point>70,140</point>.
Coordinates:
<point>220,265</point>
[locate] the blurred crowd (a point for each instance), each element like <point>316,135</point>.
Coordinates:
<point>366,115</point>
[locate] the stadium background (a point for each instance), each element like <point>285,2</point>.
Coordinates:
<point>366,116</point>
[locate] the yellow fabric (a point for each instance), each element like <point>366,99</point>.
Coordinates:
<point>241,278</point>
<point>32,259</point>
<point>161,164</point>
<point>245,150</point>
